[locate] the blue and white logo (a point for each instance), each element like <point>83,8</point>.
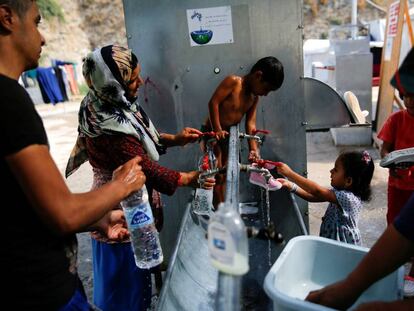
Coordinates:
<point>140,219</point>
<point>220,244</point>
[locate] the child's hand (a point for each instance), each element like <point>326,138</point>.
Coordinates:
<point>283,169</point>
<point>254,155</point>
<point>221,134</point>
<point>285,183</point>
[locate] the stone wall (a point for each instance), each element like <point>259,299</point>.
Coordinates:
<point>87,24</point>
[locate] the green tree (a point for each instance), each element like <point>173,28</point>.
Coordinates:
<point>50,9</point>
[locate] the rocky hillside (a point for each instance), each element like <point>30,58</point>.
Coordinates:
<point>86,24</point>
<point>320,18</point>
<point>90,23</point>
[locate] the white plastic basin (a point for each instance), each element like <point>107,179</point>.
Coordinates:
<point>309,262</point>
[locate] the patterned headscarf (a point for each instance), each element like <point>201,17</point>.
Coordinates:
<point>106,109</point>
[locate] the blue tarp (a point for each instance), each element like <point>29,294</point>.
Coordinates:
<point>49,85</point>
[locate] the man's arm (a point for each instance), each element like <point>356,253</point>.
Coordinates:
<point>390,252</point>
<point>224,89</point>
<point>61,210</point>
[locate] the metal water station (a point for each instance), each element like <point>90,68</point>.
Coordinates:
<point>181,69</point>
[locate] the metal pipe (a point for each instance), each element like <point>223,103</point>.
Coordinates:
<point>254,137</point>
<point>298,215</point>
<point>229,286</point>
<point>354,22</point>
<point>233,171</point>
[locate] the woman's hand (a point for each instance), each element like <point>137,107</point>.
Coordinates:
<point>130,175</point>
<point>113,226</point>
<point>191,179</point>
<point>187,135</point>
<point>207,183</point>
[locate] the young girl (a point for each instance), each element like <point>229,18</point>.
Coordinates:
<point>350,181</point>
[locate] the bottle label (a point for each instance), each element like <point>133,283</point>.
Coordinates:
<point>220,244</point>
<point>139,217</point>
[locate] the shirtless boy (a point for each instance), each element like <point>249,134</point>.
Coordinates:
<point>235,97</point>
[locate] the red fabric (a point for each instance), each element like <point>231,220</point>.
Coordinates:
<point>107,152</point>
<point>396,201</point>
<point>71,79</point>
<point>398,130</point>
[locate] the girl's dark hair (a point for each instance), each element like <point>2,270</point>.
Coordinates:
<point>360,167</point>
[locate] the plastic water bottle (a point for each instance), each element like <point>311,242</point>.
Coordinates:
<point>203,198</point>
<point>227,241</point>
<point>144,236</point>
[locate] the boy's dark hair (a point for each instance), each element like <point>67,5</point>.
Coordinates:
<point>360,167</point>
<point>18,6</point>
<point>272,70</point>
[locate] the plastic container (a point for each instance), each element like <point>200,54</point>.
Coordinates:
<point>309,262</point>
<point>227,241</point>
<point>144,236</point>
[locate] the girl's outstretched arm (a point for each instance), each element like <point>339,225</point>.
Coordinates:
<point>311,191</point>
<point>292,187</point>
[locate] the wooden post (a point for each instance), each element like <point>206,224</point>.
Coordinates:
<point>408,21</point>
<point>390,59</point>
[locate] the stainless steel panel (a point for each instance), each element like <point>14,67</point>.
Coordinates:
<point>190,282</point>
<point>354,73</point>
<point>325,107</point>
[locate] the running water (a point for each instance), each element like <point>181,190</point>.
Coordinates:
<point>262,208</point>
<point>268,224</point>
<point>265,213</point>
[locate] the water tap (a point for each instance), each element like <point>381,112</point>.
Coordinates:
<point>252,168</point>
<point>255,137</point>
<point>266,233</point>
<point>212,172</point>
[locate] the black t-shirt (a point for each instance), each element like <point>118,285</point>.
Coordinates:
<point>35,263</point>
<point>404,222</point>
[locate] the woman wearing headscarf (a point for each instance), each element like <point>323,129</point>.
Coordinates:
<point>114,128</point>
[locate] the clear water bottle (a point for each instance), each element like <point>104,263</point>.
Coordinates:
<point>144,236</point>
<point>227,241</point>
<point>203,198</point>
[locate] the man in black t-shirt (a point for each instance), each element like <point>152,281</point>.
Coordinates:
<point>40,215</point>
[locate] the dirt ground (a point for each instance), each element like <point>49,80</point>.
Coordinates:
<point>61,125</point>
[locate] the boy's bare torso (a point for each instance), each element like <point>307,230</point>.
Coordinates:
<point>235,105</point>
